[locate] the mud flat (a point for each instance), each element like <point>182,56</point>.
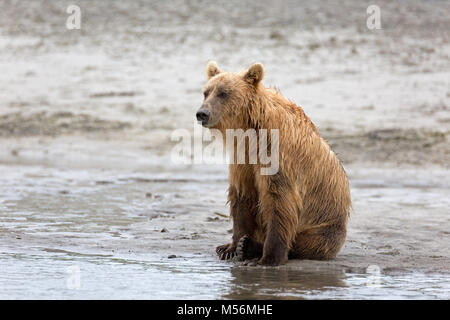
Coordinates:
<point>133,232</point>
<point>91,205</point>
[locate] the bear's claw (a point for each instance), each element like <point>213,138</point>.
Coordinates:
<point>226,251</point>
<point>221,249</point>
<point>227,255</point>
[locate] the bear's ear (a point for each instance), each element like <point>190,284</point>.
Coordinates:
<point>212,69</point>
<point>255,73</point>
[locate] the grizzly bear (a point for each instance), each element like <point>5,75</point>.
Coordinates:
<point>301,211</point>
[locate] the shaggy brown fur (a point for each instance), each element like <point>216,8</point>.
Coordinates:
<point>300,212</point>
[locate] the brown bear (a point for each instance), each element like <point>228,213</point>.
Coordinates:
<point>300,212</point>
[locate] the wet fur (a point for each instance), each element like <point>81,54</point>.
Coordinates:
<point>300,212</point>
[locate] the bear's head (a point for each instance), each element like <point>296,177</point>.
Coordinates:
<point>227,95</point>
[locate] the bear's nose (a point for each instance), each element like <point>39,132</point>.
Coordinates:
<point>202,115</point>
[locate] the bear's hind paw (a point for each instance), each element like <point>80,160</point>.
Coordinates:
<point>248,249</point>
<point>241,248</point>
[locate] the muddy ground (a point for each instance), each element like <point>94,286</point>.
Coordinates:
<point>86,118</point>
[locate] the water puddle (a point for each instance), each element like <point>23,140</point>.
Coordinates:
<point>65,275</point>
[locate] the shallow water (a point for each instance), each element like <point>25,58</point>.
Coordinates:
<point>68,275</point>
<point>96,234</point>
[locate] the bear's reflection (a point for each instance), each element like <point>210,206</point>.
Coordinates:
<point>281,283</point>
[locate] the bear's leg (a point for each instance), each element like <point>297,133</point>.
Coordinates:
<point>319,243</point>
<point>275,250</point>
<point>242,208</point>
<point>279,206</point>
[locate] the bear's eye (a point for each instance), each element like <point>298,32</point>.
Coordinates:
<point>206,93</point>
<point>222,95</point>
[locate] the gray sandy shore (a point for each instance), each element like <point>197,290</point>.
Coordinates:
<point>86,118</point>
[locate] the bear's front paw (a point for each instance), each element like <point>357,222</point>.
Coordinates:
<point>226,251</point>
